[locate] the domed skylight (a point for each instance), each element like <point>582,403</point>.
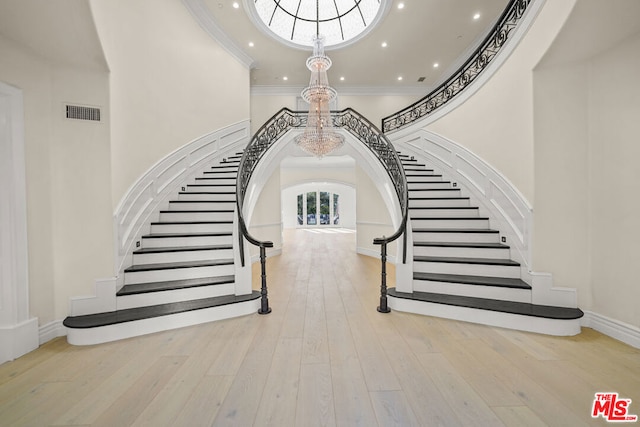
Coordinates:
<point>295,22</point>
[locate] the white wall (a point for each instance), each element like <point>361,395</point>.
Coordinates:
<point>496,123</point>
<point>373,220</point>
<point>266,220</point>
<point>68,178</point>
<point>170,83</point>
<point>614,180</point>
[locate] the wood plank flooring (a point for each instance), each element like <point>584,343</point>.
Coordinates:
<point>324,357</point>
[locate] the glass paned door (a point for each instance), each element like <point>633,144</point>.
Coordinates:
<point>325,213</point>
<point>336,209</point>
<point>311,208</point>
<point>300,210</point>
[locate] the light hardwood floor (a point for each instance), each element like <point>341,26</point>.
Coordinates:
<point>324,356</point>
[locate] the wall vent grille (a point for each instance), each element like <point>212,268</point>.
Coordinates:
<point>80,112</point>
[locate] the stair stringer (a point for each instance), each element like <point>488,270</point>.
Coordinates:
<point>150,194</point>
<point>497,198</point>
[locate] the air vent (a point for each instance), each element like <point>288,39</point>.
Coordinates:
<point>80,112</point>
<point>421,79</point>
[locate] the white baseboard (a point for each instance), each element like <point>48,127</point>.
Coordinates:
<point>51,330</point>
<point>17,340</point>
<point>621,331</point>
<point>374,254</point>
<point>269,253</point>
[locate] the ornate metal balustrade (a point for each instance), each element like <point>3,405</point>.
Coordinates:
<point>466,74</point>
<point>365,132</point>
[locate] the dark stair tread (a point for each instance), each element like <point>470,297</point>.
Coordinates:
<point>511,307</point>
<point>231,172</point>
<point>181,249</point>
<point>428,182</point>
<point>454,230</point>
<point>444,207</point>
<point>207,192</point>
<point>461,260</point>
<point>434,189</point>
<point>452,218</point>
<point>407,174</point>
<point>145,288</point>
<point>211,185</point>
<point>140,313</point>
<point>483,245</point>
<point>200,234</point>
<point>191,222</point>
<point>502,282</point>
<point>201,201</point>
<point>210,178</point>
<point>438,198</point>
<point>196,211</point>
<point>176,265</point>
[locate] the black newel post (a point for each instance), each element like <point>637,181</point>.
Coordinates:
<point>264,301</point>
<point>383,308</point>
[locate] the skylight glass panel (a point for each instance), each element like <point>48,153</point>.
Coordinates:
<point>294,21</point>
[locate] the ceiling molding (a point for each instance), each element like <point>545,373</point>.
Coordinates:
<point>260,90</point>
<point>205,19</point>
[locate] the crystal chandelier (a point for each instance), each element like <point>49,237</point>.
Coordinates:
<point>320,137</point>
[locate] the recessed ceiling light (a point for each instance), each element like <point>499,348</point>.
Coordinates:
<point>436,65</point>
<point>384,44</point>
<point>251,44</point>
<point>285,78</point>
<point>399,78</point>
<point>236,5</point>
<point>476,16</point>
<point>342,78</point>
<point>401,5</point>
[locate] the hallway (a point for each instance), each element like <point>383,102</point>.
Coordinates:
<point>324,356</point>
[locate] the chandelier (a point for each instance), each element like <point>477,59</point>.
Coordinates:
<point>320,137</point>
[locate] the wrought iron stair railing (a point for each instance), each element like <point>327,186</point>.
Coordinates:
<point>363,130</point>
<point>466,74</point>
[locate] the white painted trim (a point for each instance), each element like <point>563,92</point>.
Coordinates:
<point>203,17</point>
<point>18,339</point>
<point>18,331</point>
<point>487,317</point>
<point>375,254</point>
<point>51,330</point>
<point>509,211</point>
<point>613,328</point>
<point>417,91</point>
<point>271,252</point>
<point>145,197</point>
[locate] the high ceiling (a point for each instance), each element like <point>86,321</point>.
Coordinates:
<point>418,35</point>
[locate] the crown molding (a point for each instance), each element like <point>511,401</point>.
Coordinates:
<point>203,17</point>
<point>260,90</point>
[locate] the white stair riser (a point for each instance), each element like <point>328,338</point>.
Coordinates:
<point>440,193</point>
<point>231,197</point>
<point>422,178</point>
<point>177,295</point>
<point>170,242</point>
<point>477,291</point>
<point>163,257</point>
<point>428,185</point>
<point>431,203</point>
<point>457,237</point>
<point>457,252</point>
<point>191,228</point>
<point>212,187</point>
<point>224,180</point>
<point>449,223</point>
<point>445,213</point>
<point>202,206</point>
<point>195,216</point>
<point>467,269</point>
<point>177,274</point>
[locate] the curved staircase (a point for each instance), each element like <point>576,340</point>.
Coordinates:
<point>461,270</point>
<point>183,273</point>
